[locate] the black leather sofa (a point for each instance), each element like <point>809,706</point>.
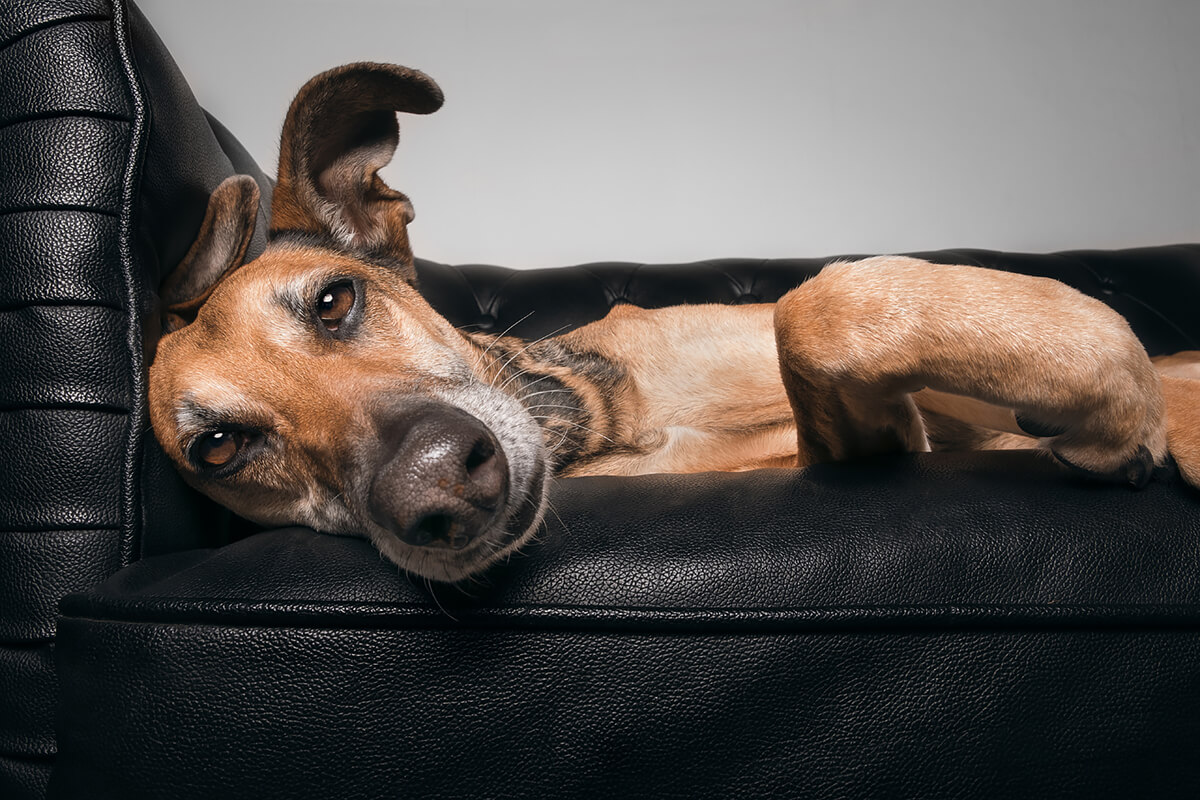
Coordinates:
<point>980,625</point>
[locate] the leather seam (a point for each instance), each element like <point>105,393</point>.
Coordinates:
<point>74,18</point>
<point>29,757</point>
<point>34,209</point>
<point>130,488</point>
<point>31,531</point>
<point>22,306</point>
<point>53,115</point>
<point>948,616</point>
<point>23,645</point>
<point>474,294</point>
<point>99,408</point>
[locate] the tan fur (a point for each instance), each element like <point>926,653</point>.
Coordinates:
<point>720,408</point>
<point>888,354</point>
<point>246,358</point>
<point>1183,424</point>
<point>865,336</point>
<point>1185,364</point>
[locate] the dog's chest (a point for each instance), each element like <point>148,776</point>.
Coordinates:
<point>685,449</point>
<point>703,391</point>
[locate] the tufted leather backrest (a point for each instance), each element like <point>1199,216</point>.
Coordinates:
<point>106,163</point>
<point>1151,287</point>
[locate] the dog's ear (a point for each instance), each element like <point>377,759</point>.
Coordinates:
<point>220,248</point>
<point>340,131</point>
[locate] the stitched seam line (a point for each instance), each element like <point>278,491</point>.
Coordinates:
<point>23,645</point>
<point>16,530</point>
<point>6,308</point>
<point>98,408</point>
<point>28,757</point>
<point>64,207</point>
<point>131,489</point>
<point>50,115</point>
<point>257,614</point>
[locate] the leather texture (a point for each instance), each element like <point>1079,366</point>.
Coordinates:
<point>97,197</point>
<point>933,626</point>
<point>939,626</point>
<point>942,625</point>
<point>65,126</point>
<point>1154,288</point>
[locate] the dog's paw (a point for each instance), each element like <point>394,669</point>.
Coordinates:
<point>1136,471</point>
<point>1122,442</point>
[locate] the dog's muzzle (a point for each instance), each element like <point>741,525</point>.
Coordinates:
<point>443,481</point>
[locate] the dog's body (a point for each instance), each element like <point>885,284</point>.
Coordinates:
<point>315,386</point>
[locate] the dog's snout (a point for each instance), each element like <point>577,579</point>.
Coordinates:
<point>443,481</point>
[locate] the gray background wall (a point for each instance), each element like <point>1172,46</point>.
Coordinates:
<point>685,129</point>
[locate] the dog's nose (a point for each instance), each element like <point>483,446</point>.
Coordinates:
<point>444,482</point>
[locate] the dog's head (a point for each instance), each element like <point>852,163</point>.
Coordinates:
<point>314,385</point>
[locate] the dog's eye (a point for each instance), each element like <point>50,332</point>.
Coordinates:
<point>334,304</point>
<point>218,448</point>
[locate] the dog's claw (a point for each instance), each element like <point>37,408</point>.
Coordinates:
<point>1139,471</point>
<point>1136,472</point>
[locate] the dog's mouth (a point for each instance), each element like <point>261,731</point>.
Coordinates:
<point>454,494</point>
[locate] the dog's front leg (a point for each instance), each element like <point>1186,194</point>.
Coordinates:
<point>856,341</point>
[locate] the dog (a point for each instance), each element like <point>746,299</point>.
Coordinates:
<point>315,386</point>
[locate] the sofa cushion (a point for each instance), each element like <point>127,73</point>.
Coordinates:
<point>933,625</point>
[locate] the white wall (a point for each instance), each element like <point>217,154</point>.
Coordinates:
<point>685,129</point>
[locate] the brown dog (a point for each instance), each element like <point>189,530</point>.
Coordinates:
<point>315,386</point>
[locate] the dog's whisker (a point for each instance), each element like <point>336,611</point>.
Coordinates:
<point>481,356</point>
<point>408,574</point>
<point>531,383</point>
<point>539,380</point>
<point>513,551</point>
<point>554,405</point>
<point>575,424</point>
<point>554,332</point>
<point>526,348</point>
<point>482,580</point>
<point>512,378</point>
<point>544,391</point>
<point>554,448</point>
<point>554,511</point>
<point>436,600</point>
<point>459,588</point>
<point>504,332</point>
<point>523,398</point>
<point>470,327</point>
